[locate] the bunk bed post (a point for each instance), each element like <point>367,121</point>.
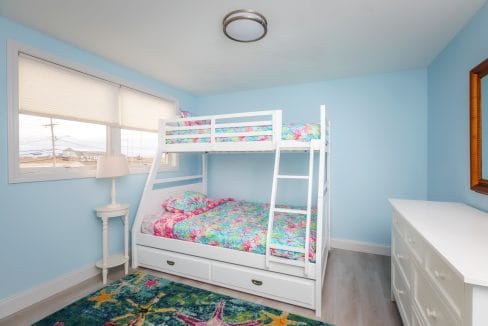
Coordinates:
<point>306,258</point>
<point>320,263</point>
<point>277,124</point>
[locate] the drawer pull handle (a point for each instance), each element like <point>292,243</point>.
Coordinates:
<point>401,292</point>
<point>439,275</point>
<point>257,282</point>
<point>170,262</point>
<point>431,313</point>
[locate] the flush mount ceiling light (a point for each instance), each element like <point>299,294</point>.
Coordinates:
<point>245,25</point>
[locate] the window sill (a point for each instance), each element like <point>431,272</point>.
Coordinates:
<point>68,174</point>
<point>51,175</point>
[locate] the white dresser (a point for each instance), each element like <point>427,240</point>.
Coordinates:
<point>439,263</point>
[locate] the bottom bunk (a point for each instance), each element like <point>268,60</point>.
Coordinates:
<point>234,224</point>
<point>223,242</point>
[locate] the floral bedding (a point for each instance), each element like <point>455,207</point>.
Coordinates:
<point>187,202</point>
<point>293,131</point>
<point>237,225</point>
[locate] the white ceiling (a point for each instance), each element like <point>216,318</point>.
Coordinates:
<point>180,42</point>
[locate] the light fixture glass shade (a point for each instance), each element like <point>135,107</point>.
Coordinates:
<point>111,166</point>
<point>245,25</point>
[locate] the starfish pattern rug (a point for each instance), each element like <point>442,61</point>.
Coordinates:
<point>143,299</point>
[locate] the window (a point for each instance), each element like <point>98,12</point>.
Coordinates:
<point>62,118</point>
<point>139,117</point>
<point>140,146</point>
<point>47,142</point>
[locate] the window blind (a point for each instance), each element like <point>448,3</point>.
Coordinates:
<point>53,90</point>
<point>48,89</point>
<point>142,111</point>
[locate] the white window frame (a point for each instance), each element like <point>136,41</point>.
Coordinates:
<point>113,140</point>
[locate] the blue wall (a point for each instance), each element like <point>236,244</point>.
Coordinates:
<point>48,228</point>
<point>448,117</point>
<point>379,144</point>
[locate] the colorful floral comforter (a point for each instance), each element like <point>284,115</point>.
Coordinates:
<point>236,225</point>
<point>293,131</point>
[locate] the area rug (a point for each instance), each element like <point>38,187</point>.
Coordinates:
<point>143,299</point>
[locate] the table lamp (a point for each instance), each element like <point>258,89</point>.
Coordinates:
<point>112,166</point>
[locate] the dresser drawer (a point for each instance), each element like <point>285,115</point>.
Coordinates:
<point>401,254</point>
<point>447,280</point>
<point>428,302</point>
<point>402,295</point>
<point>286,288</point>
<point>416,243</point>
<point>174,263</point>
<point>397,222</point>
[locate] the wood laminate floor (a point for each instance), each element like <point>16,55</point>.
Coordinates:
<point>356,292</point>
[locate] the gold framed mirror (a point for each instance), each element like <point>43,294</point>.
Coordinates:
<point>478,108</point>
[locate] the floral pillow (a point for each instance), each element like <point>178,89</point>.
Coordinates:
<point>187,202</point>
<point>186,114</point>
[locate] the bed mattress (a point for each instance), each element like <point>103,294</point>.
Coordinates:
<point>293,131</point>
<point>237,225</point>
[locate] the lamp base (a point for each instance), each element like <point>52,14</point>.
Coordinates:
<point>114,205</point>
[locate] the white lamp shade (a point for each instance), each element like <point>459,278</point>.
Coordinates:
<point>245,30</point>
<point>112,166</point>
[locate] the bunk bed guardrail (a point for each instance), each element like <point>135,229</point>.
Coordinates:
<point>195,133</point>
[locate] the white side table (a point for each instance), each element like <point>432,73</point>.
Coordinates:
<point>107,261</point>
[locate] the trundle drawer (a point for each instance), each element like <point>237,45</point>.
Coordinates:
<point>402,295</point>
<point>446,279</point>
<point>402,255</point>
<point>286,288</point>
<point>174,263</point>
<point>430,305</point>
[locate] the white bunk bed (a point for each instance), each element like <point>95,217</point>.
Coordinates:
<point>295,281</point>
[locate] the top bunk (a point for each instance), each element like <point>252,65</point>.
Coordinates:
<point>259,131</point>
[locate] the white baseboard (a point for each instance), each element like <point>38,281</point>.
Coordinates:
<point>43,291</point>
<point>367,247</point>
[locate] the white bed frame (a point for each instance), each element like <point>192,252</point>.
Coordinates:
<point>280,279</point>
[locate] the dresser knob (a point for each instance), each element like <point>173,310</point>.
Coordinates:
<point>431,313</point>
<point>411,240</point>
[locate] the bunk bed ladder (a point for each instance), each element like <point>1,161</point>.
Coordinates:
<point>305,262</point>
